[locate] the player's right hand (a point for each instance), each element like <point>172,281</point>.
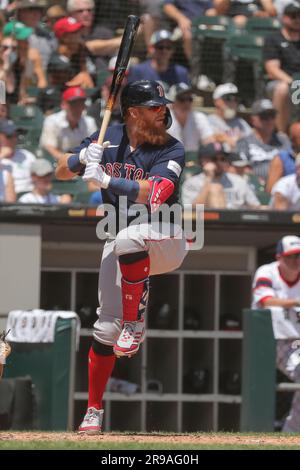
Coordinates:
<point>93,153</point>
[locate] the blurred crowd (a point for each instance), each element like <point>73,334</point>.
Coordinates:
<point>56,65</point>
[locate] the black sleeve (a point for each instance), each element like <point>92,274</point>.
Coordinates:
<point>271,49</point>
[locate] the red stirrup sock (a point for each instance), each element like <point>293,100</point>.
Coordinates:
<point>134,299</point>
<point>135,287</point>
<point>100,369</point>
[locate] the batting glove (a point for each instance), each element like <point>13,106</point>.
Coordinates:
<point>94,173</point>
<point>92,153</point>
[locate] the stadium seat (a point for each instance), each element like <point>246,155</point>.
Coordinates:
<point>49,99</point>
<point>259,188</point>
<point>191,157</point>
<point>212,26</point>
<point>73,187</point>
<point>209,34</point>
<point>42,153</point>
<point>26,117</point>
<point>262,26</point>
<point>245,63</point>
<point>91,92</point>
<point>263,197</point>
<point>32,91</point>
<point>188,172</point>
<point>101,77</point>
<point>29,139</point>
<point>246,46</point>
<point>82,197</point>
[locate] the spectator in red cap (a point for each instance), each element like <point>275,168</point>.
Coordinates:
<point>66,25</point>
<point>65,130</point>
<point>99,38</point>
<point>68,33</point>
<point>31,13</point>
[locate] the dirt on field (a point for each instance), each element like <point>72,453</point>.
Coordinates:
<point>205,439</point>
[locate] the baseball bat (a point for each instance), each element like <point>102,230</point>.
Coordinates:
<point>125,49</point>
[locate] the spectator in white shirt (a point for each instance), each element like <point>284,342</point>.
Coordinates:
<point>226,125</point>
<point>286,192</point>
<point>191,127</point>
<point>42,175</point>
<point>7,189</point>
<point>215,187</point>
<point>16,160</point>
<point>265,142</point>
<point>66,129</point>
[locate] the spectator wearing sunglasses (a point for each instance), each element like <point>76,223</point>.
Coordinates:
<point>216,187</point>
<point>160,67</point>
<point>286,192</point>
<point>227,127</point>
<point>191,128</point>
<point>282,61</point>
<point>21,64</point>
<point>99,39</point>
<point>261,146</point>
<point>31,13</point>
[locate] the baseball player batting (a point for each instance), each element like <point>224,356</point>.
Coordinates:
<point>141,161</point>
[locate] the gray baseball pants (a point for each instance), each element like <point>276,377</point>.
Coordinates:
<point>166,253</point>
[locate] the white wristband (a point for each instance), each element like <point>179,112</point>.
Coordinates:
<point>82,158</point>
<point>105,181</point>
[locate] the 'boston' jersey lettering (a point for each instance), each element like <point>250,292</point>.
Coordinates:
<point>146,160</point>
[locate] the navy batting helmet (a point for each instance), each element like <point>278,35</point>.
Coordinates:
<point>143,93</point>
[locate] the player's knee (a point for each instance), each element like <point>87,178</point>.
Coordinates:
<point>131,258</point>
<point>127,242</point>
<point>102,349</point>
<point>107,332</point>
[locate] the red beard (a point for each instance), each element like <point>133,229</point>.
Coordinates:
<point>150,135</point>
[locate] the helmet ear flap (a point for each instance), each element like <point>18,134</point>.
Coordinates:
<point>168,118</point>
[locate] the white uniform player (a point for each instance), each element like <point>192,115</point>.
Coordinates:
<point>278,285</point>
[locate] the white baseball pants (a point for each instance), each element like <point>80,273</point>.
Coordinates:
<point>288,362</point>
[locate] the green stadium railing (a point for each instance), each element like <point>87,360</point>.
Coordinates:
<point>258,372</point>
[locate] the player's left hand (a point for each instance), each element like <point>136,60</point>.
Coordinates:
<point>93,153</point>
<point>94,173</point>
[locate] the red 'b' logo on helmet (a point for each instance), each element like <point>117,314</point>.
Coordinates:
<point>160,91</point>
